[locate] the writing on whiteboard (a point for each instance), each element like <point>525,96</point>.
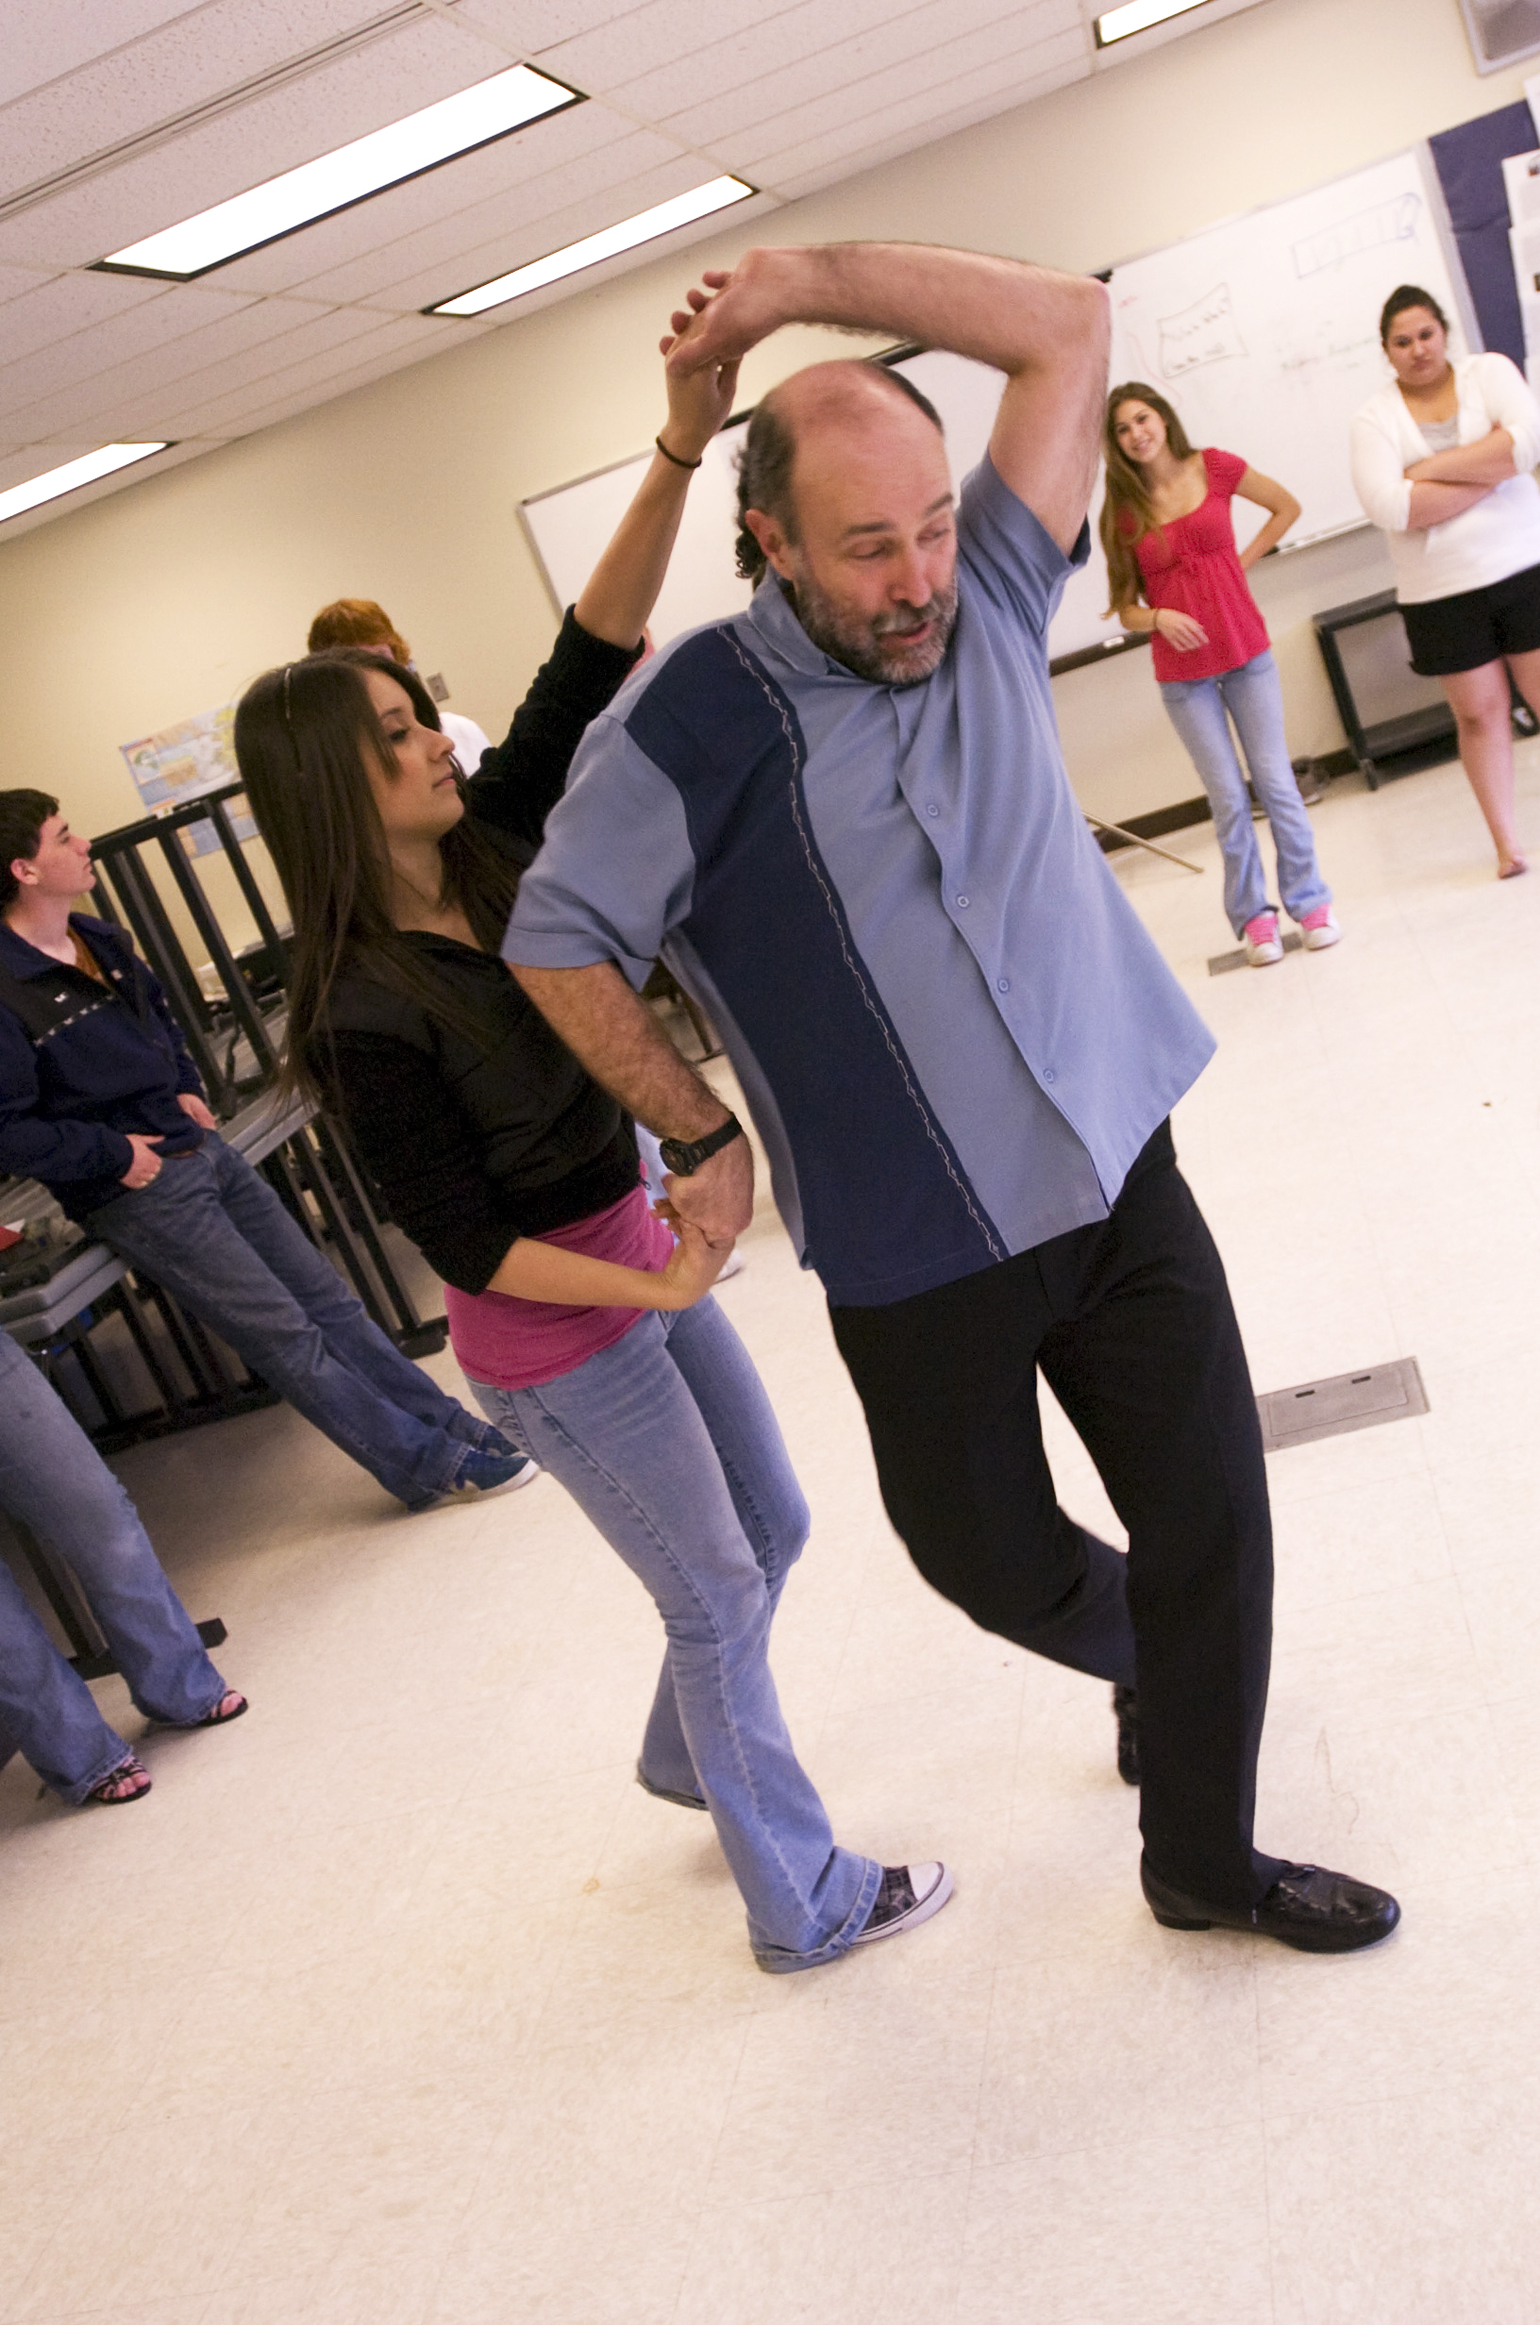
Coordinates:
<point>1205,332</point>
<point>1393,221</point>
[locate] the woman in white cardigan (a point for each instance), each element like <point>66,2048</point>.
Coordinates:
<point>1441,459</point>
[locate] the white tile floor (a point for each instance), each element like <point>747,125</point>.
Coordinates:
<point>398,2004</point>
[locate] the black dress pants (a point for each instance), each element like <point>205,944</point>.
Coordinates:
<point>1131,1324</point>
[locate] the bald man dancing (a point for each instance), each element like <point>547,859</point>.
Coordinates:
<point>844,819</point>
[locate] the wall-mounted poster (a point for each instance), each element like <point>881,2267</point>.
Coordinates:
<point>182,762</point>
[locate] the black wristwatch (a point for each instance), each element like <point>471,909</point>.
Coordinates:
<point>683,1155</point>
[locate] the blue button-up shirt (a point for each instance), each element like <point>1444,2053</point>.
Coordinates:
<point>950,1025</point>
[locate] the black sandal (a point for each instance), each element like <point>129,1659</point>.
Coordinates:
<point>109,1791</point>
<point>212,1719</point>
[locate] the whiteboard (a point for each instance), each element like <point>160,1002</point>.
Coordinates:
<point>1264,332</point>
<point>569,527</point>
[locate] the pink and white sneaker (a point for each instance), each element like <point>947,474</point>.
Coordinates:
<point>1263,943</point>
<point>1320,929</point>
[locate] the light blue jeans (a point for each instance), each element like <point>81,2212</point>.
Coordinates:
<point>217,1238</point>
<point>55,1481</point>
<point>667,1442</point>
<point>1253,699</point>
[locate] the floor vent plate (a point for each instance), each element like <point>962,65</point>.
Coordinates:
<point>1349,1400</point>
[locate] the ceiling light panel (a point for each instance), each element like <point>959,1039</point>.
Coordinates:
<point>685,209</point>
<point>186,164</point>
<point>334,181</point>
<point>353,253</point>
<point>631,171</point>
<point>90,468</point>
<point>1138,16</point>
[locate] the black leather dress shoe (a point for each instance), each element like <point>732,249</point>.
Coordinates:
<point>1307,1907</point>
<point>1125,1702</point>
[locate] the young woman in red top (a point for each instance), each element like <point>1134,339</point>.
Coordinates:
<point>1173,569</point>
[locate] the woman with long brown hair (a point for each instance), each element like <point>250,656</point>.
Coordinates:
<point>583,1327</point>
<point>1173,569</point>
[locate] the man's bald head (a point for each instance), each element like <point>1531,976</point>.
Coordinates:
<point>844,492</point>
<point>852,397</point>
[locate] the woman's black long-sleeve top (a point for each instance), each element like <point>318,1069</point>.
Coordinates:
<point>475,1142</point>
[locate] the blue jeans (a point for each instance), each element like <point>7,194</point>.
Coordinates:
<point>667,1442</point>
<point>55,1481</point>
<point>1254,700</point>
<point>217,1238</point>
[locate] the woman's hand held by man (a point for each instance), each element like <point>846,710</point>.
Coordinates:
<point>693,1267</point>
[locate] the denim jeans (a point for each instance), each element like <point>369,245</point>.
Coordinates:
<point>1254,700</point>
<point>55,1481</point>
<point>216,1236</point>
<point>667,1442</point>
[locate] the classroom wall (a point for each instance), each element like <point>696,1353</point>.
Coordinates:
<point>162,600</point>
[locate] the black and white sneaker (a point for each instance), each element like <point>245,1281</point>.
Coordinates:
<point>909,1895</point>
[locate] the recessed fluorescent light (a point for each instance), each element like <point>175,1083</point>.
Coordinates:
<point>336,180</point>
<point>72,476</point>
<point>662,218</point>
<point>1138,16</point>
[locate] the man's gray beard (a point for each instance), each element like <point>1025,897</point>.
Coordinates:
<point>852,638</point>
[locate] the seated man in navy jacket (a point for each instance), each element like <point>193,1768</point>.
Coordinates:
<point>100,1101</point>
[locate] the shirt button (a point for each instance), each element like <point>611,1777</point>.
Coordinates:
<point>962,903</point>
<point>933,810</point>
<point>1047,1073</point>
<point>1002,984</point>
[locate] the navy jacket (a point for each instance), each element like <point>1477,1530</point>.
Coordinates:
<point>81,1064</point>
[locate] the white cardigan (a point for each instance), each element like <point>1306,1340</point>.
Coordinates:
<point>1501,534</point>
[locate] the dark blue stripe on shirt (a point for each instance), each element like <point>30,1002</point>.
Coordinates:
<point>877,1175</point>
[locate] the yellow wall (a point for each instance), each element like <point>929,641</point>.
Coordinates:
<point>162,600</point>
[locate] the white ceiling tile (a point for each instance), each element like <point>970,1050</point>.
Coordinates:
<point>375,227</point>
<point>805,48</point>
<point>132,398</point>
<point>69,33</point>
<point>825,161</point>
<point>872,125</point>
<point>921,47</point>
<point>432,264</point>
<point>360,91</point>
<point>396,337</point>
<point>16,281</point>
<point>771,115</point>
<point>69,303</point>
<point>199,56</point>
<point>532,237</point>
<point>662,32</point>
<point>108,342</point>
<point>401,353</point>
<point>282,350</point>
<point>529,27</point>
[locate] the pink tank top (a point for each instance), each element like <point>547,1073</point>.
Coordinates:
<point>515,1344</point>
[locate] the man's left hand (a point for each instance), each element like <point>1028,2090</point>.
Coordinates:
<point>196,1110</point>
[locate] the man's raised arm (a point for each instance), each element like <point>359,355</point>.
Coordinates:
<point>1049,333</point>
<point>617,1037</point>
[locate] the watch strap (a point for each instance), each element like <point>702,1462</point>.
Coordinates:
<point>684,1155</point>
